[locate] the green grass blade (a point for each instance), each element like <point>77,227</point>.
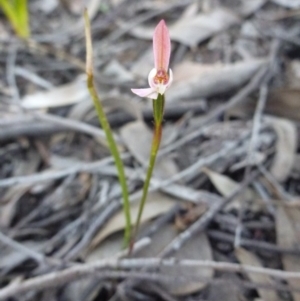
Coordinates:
<point>17,13</point>
<point>106,127</point>
<point>22,12</point>
<point>8,10</point>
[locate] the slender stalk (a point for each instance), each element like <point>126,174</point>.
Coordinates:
<point>158,109</point>
<point>106,127</point>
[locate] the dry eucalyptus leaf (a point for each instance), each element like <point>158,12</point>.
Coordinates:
<point>143,64</point>
<point>244,8</point>
<point>78,112</point>
<point>93,8</point>
<point>288,3</point>
<point>116,71</point>
<point>227,186</point>
<point>112,101</point>
<point>11,258</point>
<point>247,258</point>
<point>284,103</point>
<point>226,290</point>
<point>296,166</point>
<point>81,109</point>
<point>74,6</point>
<point>256,159</point>
<point>47,7</point>
<point>156,204</point>
<point>67,194</point>
<point>286,147</point>
<point>190,12</point>
<point>248,30</point>
<point>189,194</point>
<point>197,248</point>
<point>121,102</point>
<point>60,96</point>
<point>80,289</point>
<point>193,30</point>
<point>281,102</point>
<point>159,240</point>
<point>116,2</point>
<point>13,194</point>
<point>138,138</point>
<point>108,248</point>
<point>293,74</point>
<point>193,80</point>
<point>287,231</point>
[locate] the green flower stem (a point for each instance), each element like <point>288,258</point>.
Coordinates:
<point>106,127</point>
<point>158,111</point>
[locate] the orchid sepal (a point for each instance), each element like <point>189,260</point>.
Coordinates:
<point>160,77</point>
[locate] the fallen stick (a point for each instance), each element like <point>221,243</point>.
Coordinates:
<point>79,271</point>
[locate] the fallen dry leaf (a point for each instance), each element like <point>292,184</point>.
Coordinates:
<point>193,80</point>
<point>288,3</point>
<point>74,6</point>
<point>287,231</point>
<point>14,194</point>
<point>227,186</point>
<point>118,101</point>
<point>248,258</point>
<point>226,290</point>
<point>60,96</point>
<point>249,7</point>
<point>108,248</point>
<point>281,102</point>
<point>286,147</point>
<point>196,248</point>
<point>143,64</point>
<point>292,74</point>
<point>156,204</point>
<point>46,7</point>
<point>117,72</point>
<point>138,138</point>
<point>193,30</point>
<point>284,103</point>
<point>11,258</point>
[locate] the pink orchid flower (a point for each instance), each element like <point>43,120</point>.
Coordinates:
<point>160,77</point>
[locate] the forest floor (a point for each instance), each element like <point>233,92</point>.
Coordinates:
<point>222,220</point>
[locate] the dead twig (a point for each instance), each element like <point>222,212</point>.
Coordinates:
<point>58,174</point>
<point>79,271</point>
<point>251,243</point>
<point>38,257</point>
<point>205,219</point>
<point>237,98</point>
<point>263,93</point>
<point>31,126</point>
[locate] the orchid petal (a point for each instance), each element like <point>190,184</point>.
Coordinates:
<point>170,78</point>
<point>147,92</point>
<point>151,78</point>
<point>161,46</point>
